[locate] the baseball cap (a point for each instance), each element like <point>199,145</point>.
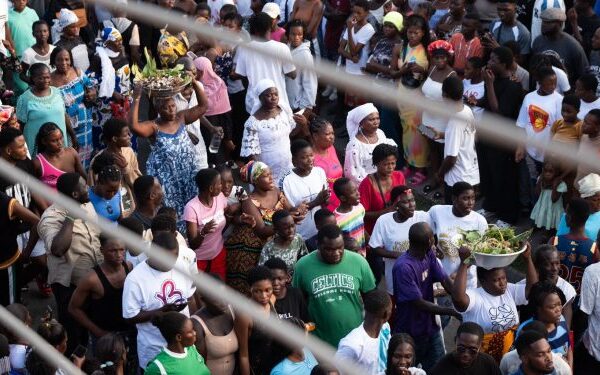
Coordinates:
<point>272,10</point>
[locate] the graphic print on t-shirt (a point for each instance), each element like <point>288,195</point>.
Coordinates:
<point>169,293</point>
<point>331,284</point>
<point>538,118</point>
<point>502,318</point>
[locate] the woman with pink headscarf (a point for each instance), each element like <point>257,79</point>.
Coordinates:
<point>219,109</point>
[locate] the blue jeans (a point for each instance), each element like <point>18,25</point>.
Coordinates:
<point>429,350</point>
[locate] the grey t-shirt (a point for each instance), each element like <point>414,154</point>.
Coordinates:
<point>519,33</point>
<point>570,51</point>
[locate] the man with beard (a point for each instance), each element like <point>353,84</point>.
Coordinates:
<point>535,354</point>
<point>553,38</point>
<point>73,248</point>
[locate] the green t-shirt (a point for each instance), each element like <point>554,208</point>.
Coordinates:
<point>333,293</point>
<point>169,363</point>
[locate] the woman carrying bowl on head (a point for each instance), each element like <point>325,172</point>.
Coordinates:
<point>496,294</point>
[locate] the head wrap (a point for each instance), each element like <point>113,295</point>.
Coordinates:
<point>440,44</point>
<point>356,115</point>
<point>252,171</point>
<point>395,19</point>
<point>589,185</point>
<point>108,80</point>
<point>65,18</point>
<point>214,88</point>
<point>110,34</point>
<point>171,47</point>
<point>260,87</point>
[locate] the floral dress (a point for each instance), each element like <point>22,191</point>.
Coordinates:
<point>244,247</point>
<point>175,163</point>
<point>269,142</point>
<point>79,115</point>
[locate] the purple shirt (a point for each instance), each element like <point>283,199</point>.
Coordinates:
<point>413,280</point>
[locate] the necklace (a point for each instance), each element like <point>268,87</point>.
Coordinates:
<point>367,138</point>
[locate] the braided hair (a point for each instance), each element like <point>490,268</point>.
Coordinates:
<point>45,131</point>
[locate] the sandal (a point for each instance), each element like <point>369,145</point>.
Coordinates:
<point>418,178</point>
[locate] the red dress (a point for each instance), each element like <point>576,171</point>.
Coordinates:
<point>371,198</point>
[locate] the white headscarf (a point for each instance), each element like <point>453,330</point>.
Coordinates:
<point>108,81</point>
<point>261,86</point>
<point>65,18</point>
<point>356,115</point>
<point>589,185</point>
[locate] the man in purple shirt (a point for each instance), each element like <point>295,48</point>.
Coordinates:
<point>414,274</point>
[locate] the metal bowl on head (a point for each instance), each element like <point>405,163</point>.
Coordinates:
<point>490,261</point>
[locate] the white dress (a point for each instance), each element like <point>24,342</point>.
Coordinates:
<point>358,163</point>
<point>269,142</point>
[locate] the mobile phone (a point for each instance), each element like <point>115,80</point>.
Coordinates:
<point>426,131</point>
<point>300,111</point>
<point>80,351</point>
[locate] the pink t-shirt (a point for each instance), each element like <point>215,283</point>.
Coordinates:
<point>196,212</point>
<point>333,170</point>
<point>278,34</point>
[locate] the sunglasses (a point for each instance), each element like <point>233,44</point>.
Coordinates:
<point>464,349</point>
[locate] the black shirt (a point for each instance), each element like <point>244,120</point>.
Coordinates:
<point>587,27</point>
<point>510,97</point>
<point>293,304</point>
<point>17,190</point>
<point>483,364</point>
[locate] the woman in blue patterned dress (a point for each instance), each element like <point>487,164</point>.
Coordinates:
<point>172,158</point>
<point>72,83</point>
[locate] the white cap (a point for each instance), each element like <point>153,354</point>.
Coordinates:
<point>272,10</point>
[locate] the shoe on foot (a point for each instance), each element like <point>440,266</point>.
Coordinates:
<point>502,224</point>
<point>333,96</point>
<point>328,91</point>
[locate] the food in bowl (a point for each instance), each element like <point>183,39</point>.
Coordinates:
<point>494,241</point>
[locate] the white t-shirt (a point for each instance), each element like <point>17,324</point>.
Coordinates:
<point>256,66</point>
<point>564,286</point>
<point>589,303</point>
<point>510,364</point>
<point>148,289</point>
<point>447,227</point>
<point>562,81</point>
<point>362,349</point>
<point>393,236</point>
<point>478,91</point>
<point>361,37</point>
<point>460,142</point>
<point>495,313</point>
<point>585,108</point>
<point>31,57</point>
<point>304,189</point>
<point>536,116</point>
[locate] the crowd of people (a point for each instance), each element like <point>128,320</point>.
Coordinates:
<point>248,174</point>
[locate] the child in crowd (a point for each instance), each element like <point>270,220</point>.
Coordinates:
<point>310,12</point>
<point>350,213</point>
<point>460,160</point>
<point>549,207</point>
<point>277,33</point>
<point>203,12</point>
<point>466,44</point>
<point>19,347</point>
<point>568,128</point>
<point>474,87</point>
<point>576,250</point>
<point>302,90</point>
<point>286,244</point>
<point>290,300</point>
<point>323,217</point>
<point>585,89</point>
<point>540,109</point>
